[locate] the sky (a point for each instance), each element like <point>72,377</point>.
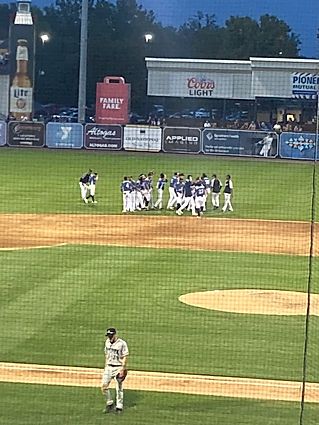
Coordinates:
<point>301,15</point>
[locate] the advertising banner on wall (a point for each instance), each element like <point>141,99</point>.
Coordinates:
<point>142,138</point>
<point>26,134</point>
<point>181,140</point>
<point>240,143</point>
<point>304,85</point>
<point>112,101</point>
<point>64,135</point>
<point>3,133</point>
<point>103,137</point>
<point>298,146</point>
<point>22,42</point>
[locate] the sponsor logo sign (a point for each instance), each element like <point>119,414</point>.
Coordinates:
<point>181,140</point>
<point>103,137</point>
<point>64,135</point>
<point>26,134</point>
<point>298,146</point>
<point>304,85</point>
<point>142,138</point>
<point>3,133</point>
<point>239,143</point>
<point>200,87</point>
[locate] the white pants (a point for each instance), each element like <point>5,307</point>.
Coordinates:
<point>139,200</point>
<point>172,197</point>
<point>189,203</point>
<point>215,199</point>
<point>159,202</point>
<point>199,202</point>
<point>227,202</point>
<point>110,373</point>
<point>84,190</point>
<point>127,202</point>
<point>92,189</point>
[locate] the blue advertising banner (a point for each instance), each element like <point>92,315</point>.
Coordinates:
<point>64,135</point>
<point>239,143</point>
<point>298,146</point>
<point>3,133</point>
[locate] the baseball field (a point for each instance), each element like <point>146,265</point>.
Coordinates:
<point>214,310</point>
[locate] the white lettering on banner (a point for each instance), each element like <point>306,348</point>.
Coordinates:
<point>20,99</point>
<point>181,138</point>
<point>65,132</point>
<point>95,131</point>
<point>111,102</point>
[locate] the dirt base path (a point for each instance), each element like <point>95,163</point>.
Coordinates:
<point>38,230</point>
<point>162,382</point>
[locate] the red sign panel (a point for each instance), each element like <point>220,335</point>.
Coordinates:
<point>112,101</point>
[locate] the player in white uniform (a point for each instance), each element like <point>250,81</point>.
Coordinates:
<point>266,143</point>
<point>116,352</point>
<point>92,185</point>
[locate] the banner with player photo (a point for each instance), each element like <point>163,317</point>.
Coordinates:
<point>181,140</point>
<point>26,134</point>
<point>103,137</point>
<point>64,135</point>
<point>142,138</point>
<point>239,143</point>
<point>3,133</point>
<point>298,146</point>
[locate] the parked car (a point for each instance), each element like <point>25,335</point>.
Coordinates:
<point>137,118</point>
<point>237,115</point>
<point>202,113</point>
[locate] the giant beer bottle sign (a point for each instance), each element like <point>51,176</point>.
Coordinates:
<point>21,86</point>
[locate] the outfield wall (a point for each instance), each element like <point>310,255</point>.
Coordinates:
<point>207,141</point>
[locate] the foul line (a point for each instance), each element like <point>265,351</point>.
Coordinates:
<point>221,386</point>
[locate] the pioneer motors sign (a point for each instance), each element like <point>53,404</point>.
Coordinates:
<point>182,140</point>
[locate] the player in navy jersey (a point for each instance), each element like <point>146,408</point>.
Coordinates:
<point>200,194</point>
<point>160,190</point>
<point>216,187</point>
<point>188,201</point>
<point>126,189</point>
<point>92,186</point>
<point>228,191</point>
<point>171,189</point>
<point>84,181</point>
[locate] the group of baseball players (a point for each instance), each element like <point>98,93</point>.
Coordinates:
<point>87,186</point>
<point>185,193</point>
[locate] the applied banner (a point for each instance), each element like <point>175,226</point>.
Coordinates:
<point>103,137</point>
<point>3,133</point>
<point>64,135</point>
<point>298,146</point>
<point>142,138</point>
<point>181,140</point>
<point>26,134</point>
<point>239,143</point>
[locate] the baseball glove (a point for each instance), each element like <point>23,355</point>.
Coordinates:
<point>121,376</point>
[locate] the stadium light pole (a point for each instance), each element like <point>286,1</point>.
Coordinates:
<point>83,62</point>
<point>148,39</point>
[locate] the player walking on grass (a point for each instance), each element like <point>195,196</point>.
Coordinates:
<point>84,181</point>
<point>228,191</point>
<point>160,189</point>
<point>216,187</point>
<point>116,352</point>
<point>92,185</point>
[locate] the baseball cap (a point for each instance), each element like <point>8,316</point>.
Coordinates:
<point>110,331</point>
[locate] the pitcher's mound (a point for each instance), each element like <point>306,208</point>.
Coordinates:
<point>254,301</point>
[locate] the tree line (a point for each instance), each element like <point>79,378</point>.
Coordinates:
<point>116,44</point>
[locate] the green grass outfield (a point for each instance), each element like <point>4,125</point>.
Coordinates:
<point>47,181</point>
<point>56,303</point>
<point>42,405</point>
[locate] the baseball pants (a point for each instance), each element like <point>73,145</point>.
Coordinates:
<point>227,202</point>
<point>110,373</point>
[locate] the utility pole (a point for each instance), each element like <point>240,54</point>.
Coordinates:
<point>83,62</point>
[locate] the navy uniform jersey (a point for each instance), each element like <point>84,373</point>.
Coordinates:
<point>161,183</point>
<point>126,186</point>
<point>173,181</point>
<point>92,179</point>
<point>85,178</point>
<point>179,187</point>
<point>216,185</point>
<point>200,190</point>
<point>188,188</point>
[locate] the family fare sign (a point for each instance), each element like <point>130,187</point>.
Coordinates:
<point>304,85</point>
